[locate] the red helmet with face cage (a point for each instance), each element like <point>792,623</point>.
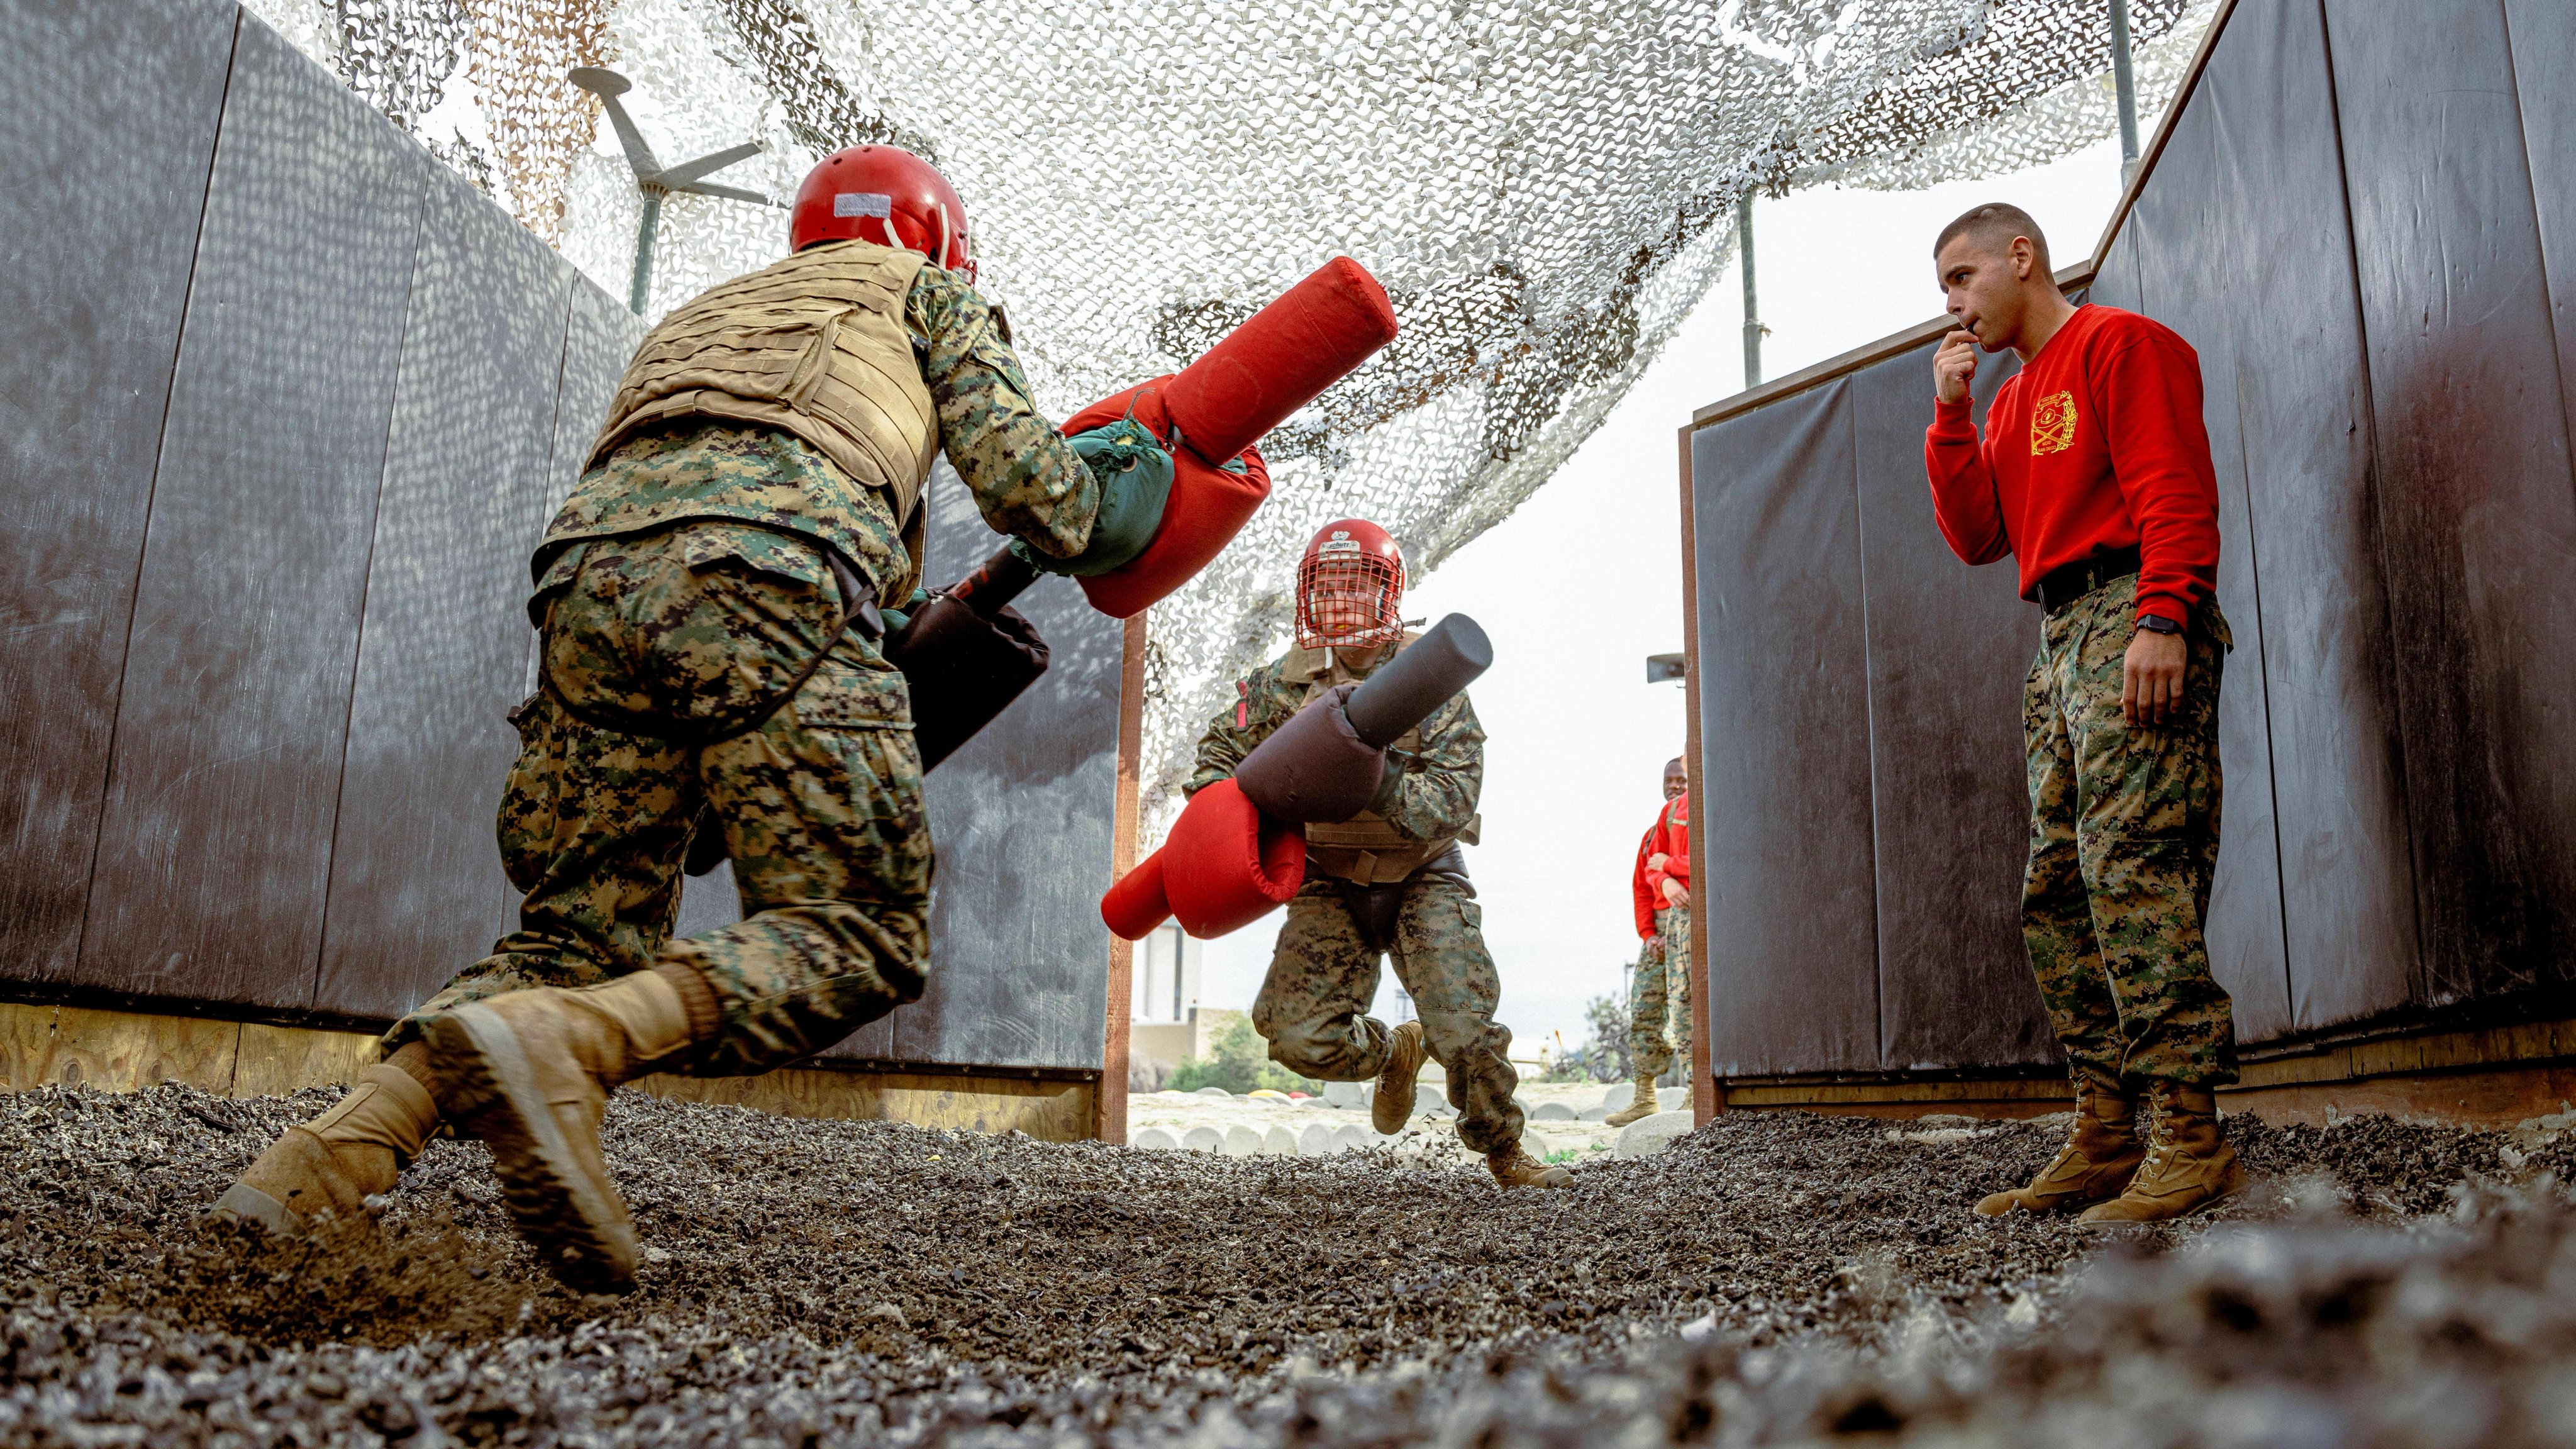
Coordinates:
<point>1350,588</point>
<point>883,194</point>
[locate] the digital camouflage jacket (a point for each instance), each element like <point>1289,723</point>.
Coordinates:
<point>1026,479</point>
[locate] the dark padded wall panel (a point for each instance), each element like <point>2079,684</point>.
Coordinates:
<point>2477,506</point>
<point>2116,284</point>
<point>93,301</point>
<point>2543,34</point>
<point>1784,741</point>
<point>708,901</point>
<point>1949,647</point>
<point>215,843</point>
<point>1019,958</point>
<point>416,882</point>
<point>2194,288</point>
<point>2292,320</point>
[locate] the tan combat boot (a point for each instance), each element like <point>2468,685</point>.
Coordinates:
<point>1392,1107</point>
<point>1513,1167</point>
<point>2189,1164</point>
<point>335,1162</point>
<point>1638,1110</point>
<point>2098,1160</point>
<point>529,1072</point>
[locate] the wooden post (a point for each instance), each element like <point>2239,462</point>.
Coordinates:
<point>1705,1101</point>
<point>1109,1121</point>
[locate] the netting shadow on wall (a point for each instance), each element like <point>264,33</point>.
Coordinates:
<point>1546,191</point>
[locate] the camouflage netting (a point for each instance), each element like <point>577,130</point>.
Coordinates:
<point>1545,189</point>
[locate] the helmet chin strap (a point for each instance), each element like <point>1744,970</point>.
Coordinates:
<point>1338,653</point>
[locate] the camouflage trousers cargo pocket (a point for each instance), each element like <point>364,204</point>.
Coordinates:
<point>2123,849</point>
<point>819,800</point>
<point>1659,1024</point>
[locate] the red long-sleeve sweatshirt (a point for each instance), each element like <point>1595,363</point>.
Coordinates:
<point>2096,444</point>
<point>1647,886</point>
<point>1668,836</point>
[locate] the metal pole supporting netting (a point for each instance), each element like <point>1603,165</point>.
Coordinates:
<point>1545,189</point>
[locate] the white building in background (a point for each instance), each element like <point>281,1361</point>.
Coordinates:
<point>1166,975</point>
<point>1165,1026</point>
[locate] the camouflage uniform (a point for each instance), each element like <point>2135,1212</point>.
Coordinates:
<point>1661,993</point>
<point>2123,844</point>
<point>1324,971</point>
<point>681,593</point>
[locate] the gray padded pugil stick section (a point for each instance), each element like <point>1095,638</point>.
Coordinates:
<point>1420,680</point>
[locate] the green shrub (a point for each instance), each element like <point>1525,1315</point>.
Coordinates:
<point>1603,1057</point>
<point>1240,1062</point>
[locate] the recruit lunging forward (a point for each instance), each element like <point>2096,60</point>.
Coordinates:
<point>1388,880</point>
<point>711,603</point>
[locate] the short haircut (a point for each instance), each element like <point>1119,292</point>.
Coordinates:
<point>1996,223</point>
<point>1675,763</point>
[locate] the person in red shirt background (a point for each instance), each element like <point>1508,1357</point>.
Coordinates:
<point>1661,887</point>
<point>2094,475</point>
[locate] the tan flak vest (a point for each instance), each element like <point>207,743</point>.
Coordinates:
<point>813,345</point>
<point>1365,849</point>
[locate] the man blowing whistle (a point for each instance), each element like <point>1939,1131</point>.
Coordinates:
<point>2094,475</point>
<point>708,606</point>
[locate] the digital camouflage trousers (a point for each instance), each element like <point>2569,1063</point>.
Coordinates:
<point>1660,994</point>
<point>688,632</point>
<point>2123,844</point>
<point>1323,975</point>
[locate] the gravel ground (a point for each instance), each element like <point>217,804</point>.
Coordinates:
<point>1773,1279</point>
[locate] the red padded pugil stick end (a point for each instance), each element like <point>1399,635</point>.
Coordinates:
<point>1280,359</point>
<point>1230,866</point>
<point>1135,905</point>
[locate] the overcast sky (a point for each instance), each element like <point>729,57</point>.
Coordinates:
<point>1584,582</point>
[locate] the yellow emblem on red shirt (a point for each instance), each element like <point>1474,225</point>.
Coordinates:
<point>2052,424</point>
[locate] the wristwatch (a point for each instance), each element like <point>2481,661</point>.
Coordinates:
<point>2158,624</point>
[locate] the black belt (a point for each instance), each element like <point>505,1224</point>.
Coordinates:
<point>2063,585</point>
<point>1373,907</point>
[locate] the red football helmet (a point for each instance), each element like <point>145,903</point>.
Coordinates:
<point>883,194</point>
<point>1349,587</point>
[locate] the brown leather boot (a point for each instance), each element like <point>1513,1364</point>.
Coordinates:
<point>1638,1110</point>
<point>2189,1163</point>
<point>1392,1107</point>
<point>1513,1167</point>
<point>2098,1160</point>
<point>335,1162</point>
<point>529,1072</point>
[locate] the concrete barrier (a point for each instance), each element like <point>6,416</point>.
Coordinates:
<point>1651,1135</point>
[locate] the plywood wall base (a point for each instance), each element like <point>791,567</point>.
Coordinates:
<point>125,1051</point>
<point>122,1051</point>
<point>2496,1097</point>
<point>1993,1098</point>
<point>2485,1077</point>
<point>1051,1111</point>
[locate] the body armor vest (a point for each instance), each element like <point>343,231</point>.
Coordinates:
<point>1366,849</point>
<point>814,346</point>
